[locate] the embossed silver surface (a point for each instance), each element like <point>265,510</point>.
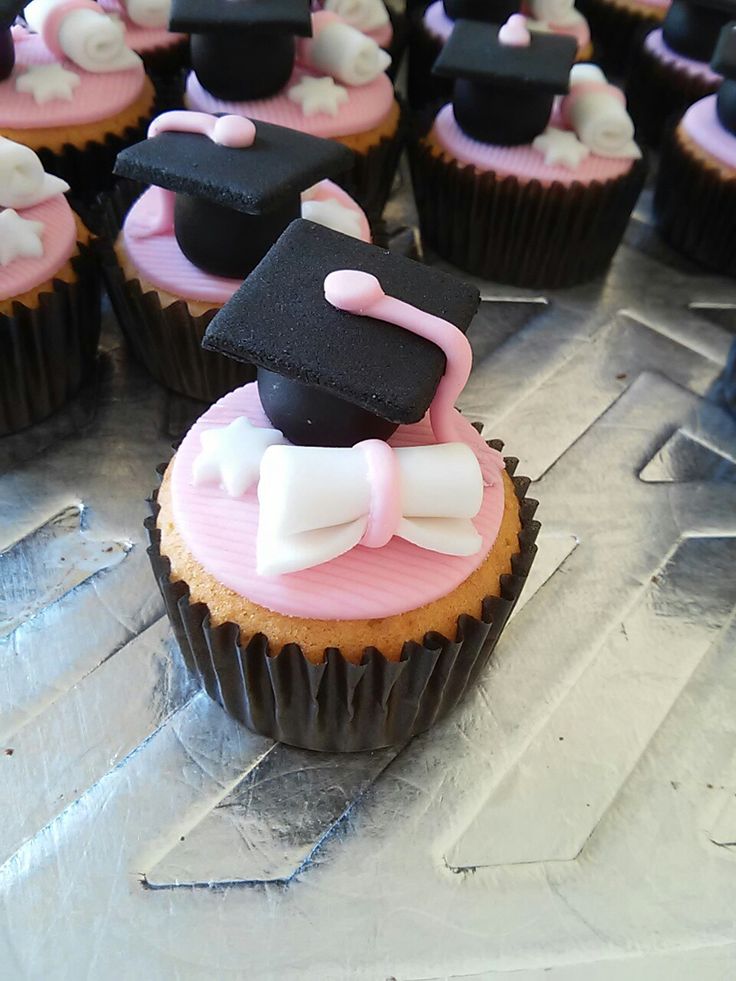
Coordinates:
<point>575,819</point>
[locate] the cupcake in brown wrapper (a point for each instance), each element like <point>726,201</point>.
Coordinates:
<point>659,92</point>
<point>337,704</point>
<point>695,202</point>
<point>518,231</point>
<point>617,27</point>
<point>377,154</point>
<point>48,345</point>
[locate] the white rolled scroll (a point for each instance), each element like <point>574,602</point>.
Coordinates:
<point>148,13</point>
<point>597,113</point>
<point>89,38</point>
<point>558,12</point>
<point>339,50</point>
<point>23,182</point>
<point>363,15</point>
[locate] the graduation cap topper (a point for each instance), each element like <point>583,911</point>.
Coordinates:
<point>338,359</point>
<point>242,49</point>
<point>506,78</point>
<point>229,186</point>
<point>691,27</point>
<point>724,62</point>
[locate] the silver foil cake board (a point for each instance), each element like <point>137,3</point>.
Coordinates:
<point>574,819</point>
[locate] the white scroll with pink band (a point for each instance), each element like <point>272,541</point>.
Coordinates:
<point>82,32</point>
<point>596,111</point>
<point>337,49</point>
<point>233,131</point>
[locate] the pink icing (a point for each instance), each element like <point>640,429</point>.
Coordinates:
<point>364,583</point>
<point>522,162</point>
<point>54,19</point>
<point>59,241</point>
<point>439,25</point>
<point>515,32</point>
<point>702,125</point>
<point>367,106</point>
<point>141,39</point>
<point>233,131</point>
<point>384,479</point>
<point>159,259</point>
<point>655,44</point>
<point>97,97</point>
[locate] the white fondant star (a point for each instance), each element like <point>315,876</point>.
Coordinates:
<point>317,95</point>
<point>48,82</point>
<point>332,215</point>
<point>20,238</point>
<point>560,146</point>
<point>232,455</point>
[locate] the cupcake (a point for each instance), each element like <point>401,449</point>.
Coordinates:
<point>76,94</point>
<point>670,69</point>
<point>49,292</point>
<point>513,186</point>
<point>695,196</point>
<point>337,547</point>
<point>372,17</point>
<point>164,53</point>
<point>618,25</point>
<point>331,83</point>
<point>223,191</point>
<point>438,20</point>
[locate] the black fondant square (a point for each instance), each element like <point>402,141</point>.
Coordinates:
<point>275,16</point>
<point>473,51</point>
<point>724,56</point>
<point>281,163</point>
<point>280,320</point>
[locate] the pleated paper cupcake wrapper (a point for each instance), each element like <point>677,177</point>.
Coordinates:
<point>616,29</point>
<point>695,205</point>
<point>337,706</point>
<point>167,340</point>
<point>658,94</point>
<point>372,175</point>
<point>47,352</point>
<point>516,232</point>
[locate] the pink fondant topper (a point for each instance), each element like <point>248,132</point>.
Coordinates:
<point>515,33</point>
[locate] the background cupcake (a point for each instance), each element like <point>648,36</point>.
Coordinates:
<point>387,27</point>
<point>76,94</point>
<point>511,187</point>
<point>438,19</point>
<point>246,61</point>
<point>315,605</point>
<point>670,68</point>
<point>695,197</point>
<point>49,292</point>
<point>223,190</point>
<point>618,25</point>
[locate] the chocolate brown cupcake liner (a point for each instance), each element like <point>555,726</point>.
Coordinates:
<point>372,174</point>
<point>167,340</point>
<point>338,706</point>
<point>521,233</point>
<point>694,205</point>
<point>616,30</point>
<point>48,351</point>
<point>658,94</point>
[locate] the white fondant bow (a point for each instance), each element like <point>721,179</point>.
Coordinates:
<point>317,503</point>
<point>23,181</point>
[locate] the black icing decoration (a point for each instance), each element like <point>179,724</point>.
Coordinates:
<point>7,53</point>
<point>724,62</point>
<point>488,11</point>
<point>233,203</point>
<point>691,27</point>
<point>10,10</point>
<point>245,49</point>
<point>280,320</point>
<point>503,94</point>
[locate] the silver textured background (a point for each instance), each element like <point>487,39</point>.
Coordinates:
<point>575,819</point>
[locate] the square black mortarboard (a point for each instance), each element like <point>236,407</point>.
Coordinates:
<point>9,11</point>
<point>207,16</point>
<point>280,320</point>
<point>724,56</point>
<point>280,164</point>
<point>473,51</point>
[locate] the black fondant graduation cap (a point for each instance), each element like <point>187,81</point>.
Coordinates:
<point>503,93</point>
<point>280,320</point>
<point>691,27</point>
<point>273,16</point>
<point>9,11</point>
<point>724,62</point>
<point>233,203</point>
